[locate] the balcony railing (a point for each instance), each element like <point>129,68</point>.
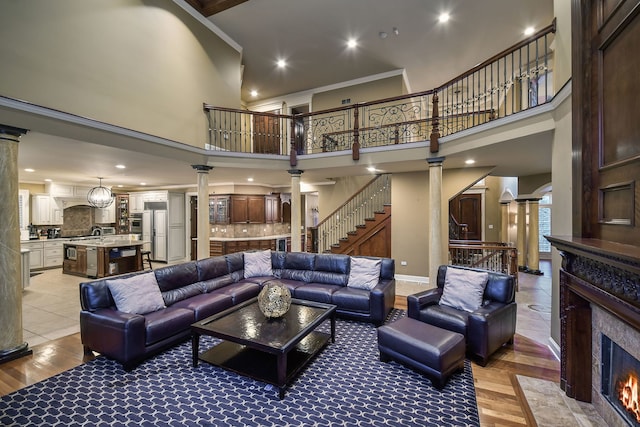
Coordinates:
<point>515,80</point>
<point>494,256</point>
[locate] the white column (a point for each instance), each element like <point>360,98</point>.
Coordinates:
<point>204,229</point>
<point>296,221</point>
<point>436,248</point>
<point>521,233</point>
<point>533,251</point>
<point>12,345</point>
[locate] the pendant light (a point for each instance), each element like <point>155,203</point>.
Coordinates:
<point>100,197</point>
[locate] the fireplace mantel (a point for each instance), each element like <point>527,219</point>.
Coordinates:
<point>593,272</point>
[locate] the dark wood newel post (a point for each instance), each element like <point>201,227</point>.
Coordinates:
<point>356,134</point>
<point>293,159</point>
<point>435,123</point>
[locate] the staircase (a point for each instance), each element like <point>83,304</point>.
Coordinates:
<point>361,226</point>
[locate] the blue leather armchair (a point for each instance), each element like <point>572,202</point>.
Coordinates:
<point>486,329</point>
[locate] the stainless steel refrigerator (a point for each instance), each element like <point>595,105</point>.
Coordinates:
<point>154,229</point>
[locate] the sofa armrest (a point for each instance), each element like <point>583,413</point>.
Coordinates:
<point>491,326</point>
<point>417,302</point>
<point>118,335</point>
<point>381,300</point>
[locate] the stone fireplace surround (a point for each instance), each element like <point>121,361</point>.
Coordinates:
<point>599,294</point>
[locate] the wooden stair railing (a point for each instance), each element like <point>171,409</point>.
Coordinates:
<point>363,205</point>
<point>493,256</point>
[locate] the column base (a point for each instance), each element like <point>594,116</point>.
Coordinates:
<point>530,271</point>
<point>15,353</point>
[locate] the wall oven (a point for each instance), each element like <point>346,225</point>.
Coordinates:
<point>135,223</point>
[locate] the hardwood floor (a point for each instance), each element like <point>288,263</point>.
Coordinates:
<point>499,399</point>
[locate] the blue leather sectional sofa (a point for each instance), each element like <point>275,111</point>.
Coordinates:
<point>195,290</point>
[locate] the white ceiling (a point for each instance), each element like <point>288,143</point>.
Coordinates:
<point>310,34</point>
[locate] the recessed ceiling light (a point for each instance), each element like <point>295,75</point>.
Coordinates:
<point>469,162</point>
<point>444,17</point>
<point>121,166</point>
<point>528,31</point>
<point>371,169</point>
<point>29,170</point>
<point>120,185</point>
<point>143,183</point>
<point>281,63</point>
<point>48,179</point>
<point>254,93</point>
<point>382,35</point>
<point>352,43</point>
<point>250,179</point>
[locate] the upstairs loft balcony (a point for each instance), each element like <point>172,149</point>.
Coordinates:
<point>513,81</point>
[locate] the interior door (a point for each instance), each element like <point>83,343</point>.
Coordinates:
<point>160,240</point>
<point>266,131</point>
<point>467,209</point>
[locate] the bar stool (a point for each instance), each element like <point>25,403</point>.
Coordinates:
<point>146,257</point>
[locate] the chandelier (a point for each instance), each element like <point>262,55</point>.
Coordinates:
<point>100,197</point>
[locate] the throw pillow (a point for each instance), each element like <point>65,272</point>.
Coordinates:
<point>464,289</point>
<point>137,294</point>
<point>257,264</point>
<point>364,273</point>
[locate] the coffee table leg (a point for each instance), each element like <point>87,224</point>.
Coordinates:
<point>333,327</point>
<point>195,346</point>
<point>282,374</point>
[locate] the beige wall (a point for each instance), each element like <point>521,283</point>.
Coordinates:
<point>141,64</point>
<point>331,197</point>
<point>492,213</point>
<point>410,214</point>
<point>562,62</point>
<point>530,183</point>
<point>379,89</point>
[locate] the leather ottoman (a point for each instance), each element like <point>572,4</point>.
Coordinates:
<point>434,351</point>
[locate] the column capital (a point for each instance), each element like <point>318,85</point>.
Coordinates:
<point>295,172</point>
<point>202,168</point>
<point>435,161</point>
<point>527,199</point>
<point>11,131</point>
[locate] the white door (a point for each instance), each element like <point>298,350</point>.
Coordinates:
<point>147,231</point>
<point>160,240</point>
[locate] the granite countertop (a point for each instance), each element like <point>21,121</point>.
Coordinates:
<point>231,239</point>
<point>108,243</point>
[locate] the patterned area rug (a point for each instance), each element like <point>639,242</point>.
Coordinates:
<point>345,385</point>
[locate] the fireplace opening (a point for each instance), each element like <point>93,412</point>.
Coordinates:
<point>620,380</point>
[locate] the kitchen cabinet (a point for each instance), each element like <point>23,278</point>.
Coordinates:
<point>60,190</point>
<point>106,215</point>
<point>219,209</point>
<point>36,254</point>
<point>23,208</point>
<point>136,203</point>
<point>45,210</point>
<point>247,209</point>
<point>272,209</point>
<point>223,247</point>
<point>52,253</point>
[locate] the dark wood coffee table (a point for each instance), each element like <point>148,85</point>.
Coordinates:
<point>273,351</point>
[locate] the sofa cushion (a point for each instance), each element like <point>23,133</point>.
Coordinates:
<point>137,294</point>
<point>364,273</point>
<point>241,291</point>
<point>297,266</point>
<point>166,323</point>
<point>352,299</point>
<point>174,295</point>
<point>257,264</point>
<point>316,292</point>
<point>331,269</point>
<point>205,305</point>
<point>210,268</point>
<point>463,289</point>
<point>176,276</point>
<point>216,283</point>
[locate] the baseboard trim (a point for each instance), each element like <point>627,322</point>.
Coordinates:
<point>554,347</point>
<point>409,278</point>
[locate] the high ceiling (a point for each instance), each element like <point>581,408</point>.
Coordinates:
<point>310,35</point>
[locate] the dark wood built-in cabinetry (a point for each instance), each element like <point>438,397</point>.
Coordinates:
<point>244,209</point>
<point>223,247</point>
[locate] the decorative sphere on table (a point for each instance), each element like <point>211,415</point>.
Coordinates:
<point>274,299</point>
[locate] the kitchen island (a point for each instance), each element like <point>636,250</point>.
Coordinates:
<point>101,258</point>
